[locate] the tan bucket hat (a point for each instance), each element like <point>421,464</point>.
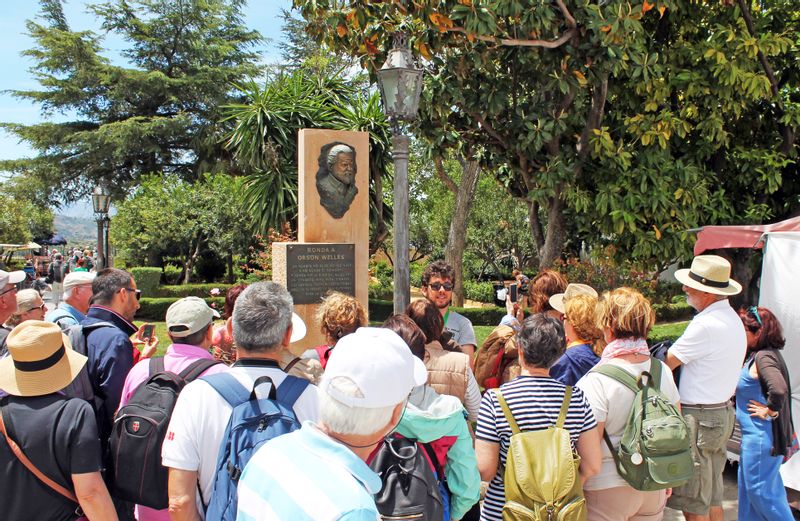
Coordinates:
<point>40,360</point>
<point>571,291</point>
<point>711,274</point>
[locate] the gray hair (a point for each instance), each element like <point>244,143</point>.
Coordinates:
<point>541,340</point>
<point>344,419</point>
<point>261,316</point>
<point>334,152</point>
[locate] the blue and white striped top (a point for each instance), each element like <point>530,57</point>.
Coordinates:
<point>535,403</point>
<point>304,476</point>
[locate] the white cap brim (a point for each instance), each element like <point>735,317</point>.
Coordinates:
<point>298,328</point>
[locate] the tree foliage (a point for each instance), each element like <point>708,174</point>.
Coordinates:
<point>166,216</point>
<point>620,121</point>
<point>23,216</point>
<point>263,140</point>
<point>159,114</point>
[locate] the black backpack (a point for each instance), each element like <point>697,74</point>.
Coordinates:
<point>409,486</point>
<point>139,431</point>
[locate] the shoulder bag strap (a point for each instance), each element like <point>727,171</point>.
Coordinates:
<point>290,390</point>
<point>197,368</point>
<point>156,365</point>
<point>294,363</point>
<point>617,373</point>
<point>31,467</point>
<point>228,387</point>
<point>562,415</point>
<point>507,412</point>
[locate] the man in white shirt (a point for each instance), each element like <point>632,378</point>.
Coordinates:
<point>262,329</point>
<point>711,351</point>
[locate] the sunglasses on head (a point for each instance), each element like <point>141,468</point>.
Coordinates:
<point>436,286</point>
<point>754,311</point>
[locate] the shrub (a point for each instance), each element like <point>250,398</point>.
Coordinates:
<point>673,312</point>
<point>172,274</point>
<point>155,309</point>
<point>479,291</point>
<point>191,290</point>
<point>147,280</point>
<point>380,310</point>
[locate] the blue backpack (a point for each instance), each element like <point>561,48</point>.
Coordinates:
<point>253,422</point>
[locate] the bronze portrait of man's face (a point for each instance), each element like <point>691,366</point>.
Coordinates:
<point>344,168</point>
<point>336,178</point>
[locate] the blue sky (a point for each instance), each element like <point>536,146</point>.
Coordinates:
<point>262,15</point>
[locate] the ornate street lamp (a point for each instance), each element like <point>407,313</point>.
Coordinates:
<point>101,201</point>
<point>400,82</point>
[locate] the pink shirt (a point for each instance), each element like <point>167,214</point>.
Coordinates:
<point>177,358</point>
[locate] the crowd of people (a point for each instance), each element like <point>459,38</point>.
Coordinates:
<point>401,421</point>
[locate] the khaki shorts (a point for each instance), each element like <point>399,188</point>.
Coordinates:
<point>709,430</point>
<point>618,503</point>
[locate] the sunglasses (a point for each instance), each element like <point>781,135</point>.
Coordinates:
<point>754,311</point>
<point>137,292</point>
<point>436,286</point>
<point>41,306</point>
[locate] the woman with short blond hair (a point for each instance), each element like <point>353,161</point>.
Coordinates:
<point>584,340</point>
<point>625,317</point>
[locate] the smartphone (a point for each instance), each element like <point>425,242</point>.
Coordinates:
<point>512,288</point>
<point>147,332</point>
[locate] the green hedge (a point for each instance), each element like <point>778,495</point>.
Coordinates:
<point>155,309</point>
<point>191,290</point>
<point>147,280</point>
<point>673,312</point>
<point>479,291</point>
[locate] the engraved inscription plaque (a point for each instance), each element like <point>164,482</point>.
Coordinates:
<point>314,269</point>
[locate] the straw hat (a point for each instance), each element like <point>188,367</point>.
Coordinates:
<point>711,274</point>
<point>41,360</point>
<point>573,290</point>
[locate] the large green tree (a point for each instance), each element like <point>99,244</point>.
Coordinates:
<point>617,121</point>
<point>166,216</point>
<point>158,113</point>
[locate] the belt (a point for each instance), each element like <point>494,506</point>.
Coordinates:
<point>707,406</point>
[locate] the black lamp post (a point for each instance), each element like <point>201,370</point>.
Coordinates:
<point>101,200</point>
<point>400,82</point>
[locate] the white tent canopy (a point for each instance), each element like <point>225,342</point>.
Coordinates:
<point>780,287</point>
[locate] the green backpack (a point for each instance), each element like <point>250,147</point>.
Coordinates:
<point>654,452</point>
<point>541,474</point>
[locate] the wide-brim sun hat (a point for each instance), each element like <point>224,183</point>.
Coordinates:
<point>40,360</point>
<point>572,290</point>
<point>710,274</point>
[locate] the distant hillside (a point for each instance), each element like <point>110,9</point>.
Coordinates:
<point>80,231</point>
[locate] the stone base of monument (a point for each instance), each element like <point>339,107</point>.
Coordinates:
<point>310,271</point>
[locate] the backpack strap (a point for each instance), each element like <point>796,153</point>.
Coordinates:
<point>655,374</point>
<point>290,390</point>
<point>157,365</point>
<point>197,368</point>
<point>618,374</point>
<point>562,415</point>
<point>507,412</point>
<point>29,464</point>
<point>228,387</point>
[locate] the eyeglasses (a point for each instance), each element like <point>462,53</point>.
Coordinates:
<point>8,291</point>
<point>41,306</point>
<point>137,292</point>
<point>436,286</point>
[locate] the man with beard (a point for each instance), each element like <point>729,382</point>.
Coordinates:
<point>711,351</point>
<point>437,286</point>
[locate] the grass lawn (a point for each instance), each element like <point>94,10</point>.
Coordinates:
<point>670,330</point>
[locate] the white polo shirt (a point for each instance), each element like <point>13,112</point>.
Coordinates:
<point>200,416</point>
<point>712,351</point>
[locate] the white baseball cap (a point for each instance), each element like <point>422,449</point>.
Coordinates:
<point>188,316</point>
<point>379,363</point>
<point>78,278</point>
<point>11,277</point>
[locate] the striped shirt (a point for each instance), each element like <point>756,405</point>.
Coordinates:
<point>535,403</point>
<point>306,475</point>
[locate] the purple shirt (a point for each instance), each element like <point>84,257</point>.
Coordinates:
<point>177,358</point>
